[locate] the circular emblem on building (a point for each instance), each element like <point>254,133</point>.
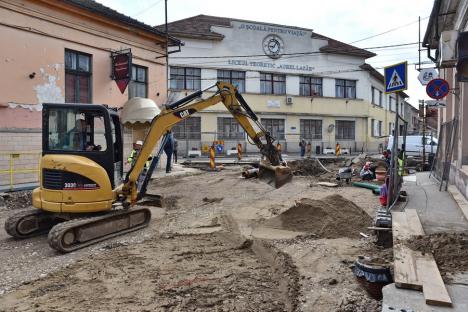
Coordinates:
<point>273,46</point>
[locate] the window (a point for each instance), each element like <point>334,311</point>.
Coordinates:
<point>229,128</point>
<point>376,96</point>
<point>185,78</point>
<point>73,130</point>
<point>390,128</point>
<point>236,78</point>
<point>310,86</point>
<point>345,88</point>
<point>376,126</point>
<point>188,129</point>
<point>391,104</point>
<point>345,130</point>
<point>138,86</point>
<point>272,83</point>
<point>275,127</point>
<point>311,129</point>
<point>77,77</point>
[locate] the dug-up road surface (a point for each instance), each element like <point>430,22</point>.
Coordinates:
<point>211,247</point>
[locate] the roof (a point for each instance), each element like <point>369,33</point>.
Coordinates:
<point>377,75</point>
<point>443,17</point>
<point>98,8</point>
<point>199,27</point>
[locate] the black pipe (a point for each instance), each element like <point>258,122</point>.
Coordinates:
<point>246,106</point>
<point>184,100</point>
<point>149,172</point>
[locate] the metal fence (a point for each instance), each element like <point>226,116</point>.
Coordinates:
<point>289,143</point>
<point>397,163</point>
<point>447,145</point>
<point>19,168</point>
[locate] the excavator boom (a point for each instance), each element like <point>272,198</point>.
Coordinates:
<point>272,167</point>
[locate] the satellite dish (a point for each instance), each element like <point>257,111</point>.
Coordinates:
<point>330,128</point>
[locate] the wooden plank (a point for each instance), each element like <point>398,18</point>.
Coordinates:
<point>405,271</point>
<point>414,223</point>
<point>434,289</point>
<point>406,275</point>
<point>406,224</point>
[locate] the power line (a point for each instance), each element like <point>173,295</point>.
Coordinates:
<point>146,9</point>
<point>297,53</point>
<point>390,30</point>
<point>330,72</point>
<point>266,58</point>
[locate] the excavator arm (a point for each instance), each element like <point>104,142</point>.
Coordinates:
<point>182,109</point>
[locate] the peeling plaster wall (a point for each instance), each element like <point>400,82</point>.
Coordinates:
<point>49,91</point>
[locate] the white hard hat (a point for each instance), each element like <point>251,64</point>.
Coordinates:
<point>139,142</point>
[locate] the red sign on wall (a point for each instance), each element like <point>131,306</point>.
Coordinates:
<point>122,68</point>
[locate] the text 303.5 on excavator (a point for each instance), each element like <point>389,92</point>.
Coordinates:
<point>83,197</point>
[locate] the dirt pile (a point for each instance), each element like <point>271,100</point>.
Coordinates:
<point>170,273</point>
<point>331,217</point>
<point>359,302</point>
<point>450,250</point>
<point>17,200</point>
<point>306,167</point>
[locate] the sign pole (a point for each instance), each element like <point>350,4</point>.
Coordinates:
<point>424,135</point>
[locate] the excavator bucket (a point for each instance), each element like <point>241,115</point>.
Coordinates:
<point>276,176</point>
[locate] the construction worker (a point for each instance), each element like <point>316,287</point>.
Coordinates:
<point>278,148</point>
<point>168,150</point>
<point>176,145</point>
<point>77,136</point>
<point>401,160</point>
<point>366,172</point>
<point>132,159</point>
<point>309,150</point>
<point>302,145</point>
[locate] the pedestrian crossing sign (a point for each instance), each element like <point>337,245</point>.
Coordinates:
<point>396,77</point>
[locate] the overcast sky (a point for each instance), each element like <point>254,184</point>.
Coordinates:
<point>344,20</point>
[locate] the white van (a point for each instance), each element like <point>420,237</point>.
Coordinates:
<point>414,144</point>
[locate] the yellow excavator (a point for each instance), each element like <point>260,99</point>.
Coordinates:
<point>82,198</point>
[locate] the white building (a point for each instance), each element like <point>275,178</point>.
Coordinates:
<point>300,83</point>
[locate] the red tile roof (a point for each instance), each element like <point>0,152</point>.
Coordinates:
<point>199,27</point>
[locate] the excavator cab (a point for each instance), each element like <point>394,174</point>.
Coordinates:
<point>82,151</point>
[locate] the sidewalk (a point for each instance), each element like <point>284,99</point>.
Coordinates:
<point>438,212</point>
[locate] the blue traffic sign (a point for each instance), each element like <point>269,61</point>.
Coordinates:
<point>219,148</point>
<point>396,77</point>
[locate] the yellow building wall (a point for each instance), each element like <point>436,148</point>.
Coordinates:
<point>326,109</point>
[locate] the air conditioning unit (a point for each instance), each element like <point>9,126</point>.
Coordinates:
<point>289,100</point>
<point>447,48</point>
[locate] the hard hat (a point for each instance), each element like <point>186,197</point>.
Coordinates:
<point>139,142</point>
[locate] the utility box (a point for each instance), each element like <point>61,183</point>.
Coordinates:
<point>447,48</point>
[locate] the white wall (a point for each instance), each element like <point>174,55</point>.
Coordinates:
<point>244,38</point>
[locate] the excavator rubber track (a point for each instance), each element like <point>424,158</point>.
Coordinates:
<point>29,223</point>
<point>75,234</point>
